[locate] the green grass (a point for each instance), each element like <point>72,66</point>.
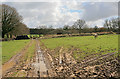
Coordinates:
<point>30,52</point>
<point>86,44</point>
<point>10,48</point>
<point>0,52</point>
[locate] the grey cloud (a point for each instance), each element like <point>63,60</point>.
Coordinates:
<point>48,13</point>
<point>99,10</point>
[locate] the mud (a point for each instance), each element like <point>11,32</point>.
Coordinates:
<point>61,63</point>
<point>39,65</point>
<point>15,60</point>
<point>103,66</point>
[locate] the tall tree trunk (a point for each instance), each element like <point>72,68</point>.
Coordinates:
<point>39,35</point>
<point>79,30</point>
<point>108,29</point>
<point>7,35</point>
<point>3,35</point>
<point>10,35</point>
<point>119,30</point>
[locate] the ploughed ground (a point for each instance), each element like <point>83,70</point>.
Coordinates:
<point>61,63</point>
<point>99,66</point>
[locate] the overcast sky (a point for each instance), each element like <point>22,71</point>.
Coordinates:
<point>62,13</point>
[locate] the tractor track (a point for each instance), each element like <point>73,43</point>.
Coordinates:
<point>40,68</point>
<point>94,59</point>
<point>15,60</point>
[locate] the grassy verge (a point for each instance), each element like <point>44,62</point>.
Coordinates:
<point>10,48</point>
<point>26,59</point>
<point>30,52</point>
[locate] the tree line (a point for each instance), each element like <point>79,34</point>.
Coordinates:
<point>12,22</point>
<point>80,26</point>
<point>112,24</point>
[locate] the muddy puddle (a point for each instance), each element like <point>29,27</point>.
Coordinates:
<point>40,67</point>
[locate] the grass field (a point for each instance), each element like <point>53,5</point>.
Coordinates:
<point>10,48</point>
<point>30,52</point>
<point>86,44</point>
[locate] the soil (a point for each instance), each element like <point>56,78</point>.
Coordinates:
<point>15,60</point>
<point>38,66</point>
<point>46,63</point>
<point>64,65</point>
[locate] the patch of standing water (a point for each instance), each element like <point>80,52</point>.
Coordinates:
<point>40,65</point>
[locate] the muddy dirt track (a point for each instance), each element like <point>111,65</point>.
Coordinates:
<point>8,66</point>
<point>44,64</point>
<point>37,67</point>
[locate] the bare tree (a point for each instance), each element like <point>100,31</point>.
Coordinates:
<point>50,27</point>
<point>95,28</point>
<point>106,24</point>
<point>0,21</point>
<point>21,29</point>
<point>42,27</point>
<point>66,27</point>
<point>118,25</point>
<point>74,27</point>
<point>86,29</point>
<point>10,19</point>
<point>112,24</point>
<point>80,24</point>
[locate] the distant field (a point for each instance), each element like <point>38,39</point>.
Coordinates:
<point>86,44</point>
<point>10,48</point>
